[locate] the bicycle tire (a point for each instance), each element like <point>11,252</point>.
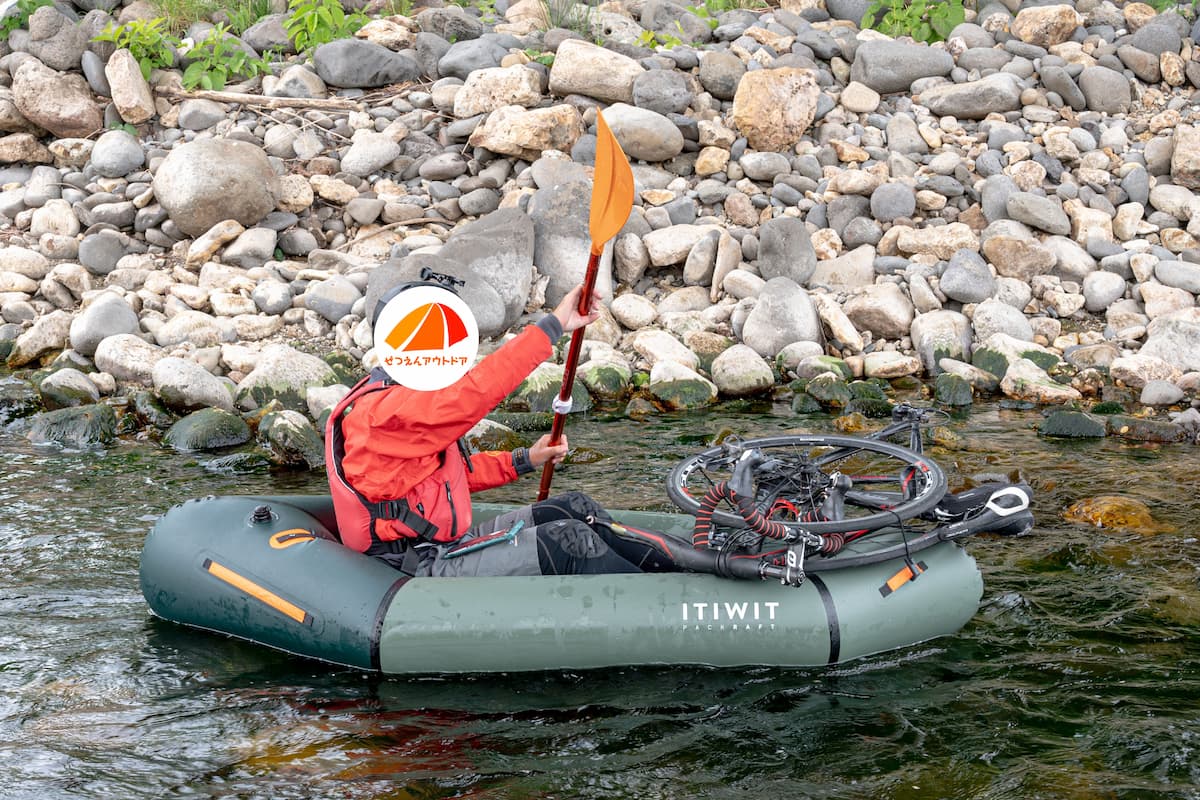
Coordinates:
<point>932,490</point>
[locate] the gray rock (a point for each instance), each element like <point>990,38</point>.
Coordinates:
<point>282,373</point>
<point>357,63</point>
<point>370,152</point>
<point>662,91</point>
<point>269,34</point>
<point>464,57</point>
<point>67,388</point>
<point>1106,90</point>
<point>100,252</point>
<point>994,197</point>
<point>1179,274</point>
<point>892,201</point>
<point>451,23</point>
<point>272,297</point>
<point>430,48</point>
<point>720,73</point>
<point>107,315</point>
<point>207,429</point>
<point>253,248</point>
<point>55,39</point>
<point>994,94</point>
<point>904,137</point>
<point>79,427</point>
<point>198,114</point>
<point>644,134</point>
<point>967,278</point>
<point>1145,66</point>
<point>1101,289</point>
<point>786,250</point>
<point>1038,212</point>
<point>44,184</point>
<point>892,66</point>
<point>93,70</point>
<point>883,309</point>
<point>292,440</point>
<point>478,202</point>
<point>764,166</point>
<point>783,314</point>
<point>297,81</point>
<point>562,242</point>
<point>993,316</point>
<point>1155,38</point>
<point>332,298</point>
<point>1057,79</point>
<point>498,250</point>
<point>184,385</point>
<point>941,334</point>
<point>207,181</point>
<point>195,327</point>
<point>850,10</point>
<point>739,371</point>
<point>116,154</point>
<point>1159,392</point>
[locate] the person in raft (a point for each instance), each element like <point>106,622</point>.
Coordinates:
<point>401,475</point>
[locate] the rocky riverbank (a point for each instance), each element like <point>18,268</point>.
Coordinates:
<point>821,211</point>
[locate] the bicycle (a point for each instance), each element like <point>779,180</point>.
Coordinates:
<point>814,494</point>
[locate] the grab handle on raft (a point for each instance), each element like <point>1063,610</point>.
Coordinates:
<point>994,513</point>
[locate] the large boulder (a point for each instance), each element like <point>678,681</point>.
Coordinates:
<point>207,429</point>
<point>55,39</point>
<point>359,64</point>
<point>77,427</point>
<point>773,108</point>
<point>516,131</point>
<point>207,181</point>
<point>57,101</point>
<point>128,358</point>
<point>107,315</point>
<point>497,250</point>
<point>283,373</point>
<point>581,67</point>
<point>1175,338</point>
<point>783,314</point>
<point>892,66</point>
<point>562,243</point>
<point>184,385</point>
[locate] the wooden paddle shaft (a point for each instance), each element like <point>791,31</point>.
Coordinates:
<point>560,420</point>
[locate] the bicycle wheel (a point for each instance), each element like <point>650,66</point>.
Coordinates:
<point>799,478</point>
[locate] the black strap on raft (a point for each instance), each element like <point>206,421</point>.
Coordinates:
<point>400,511</point>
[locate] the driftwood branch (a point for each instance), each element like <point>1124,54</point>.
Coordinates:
<point>326,103</point>
<point>390,227</point>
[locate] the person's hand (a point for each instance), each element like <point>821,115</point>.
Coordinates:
<point>568,310</point>
<point>542,451</point>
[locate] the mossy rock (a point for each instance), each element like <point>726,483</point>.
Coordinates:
<point>683,394</point>
<point>491,435</point>
<point>523,420</point>
<point>868,390</point>
<point>538,391</point>
<point>830,391</point>
<point>207,429</point>
<point>870,407</point>
<point>151,411</point>
<point>805,403</point>
<point>813,366</point>
<point>1008,404</point>
<point>6,348</point>
<point>1116,513</point>
<point>996,361</point>
<point>1072,425</point>
<point>952,390</point>
<point>906,383</point>
<point>17,399</point>
<point>640,408</point>
<point>606,378</point>
<point>291,440</point>
<point>1146,430</point>
<point>250,463</point>
<point>851,423</point>
<point>346,368</point>
<point>67,388</point>
<point>1107,408</point>
<point>78,427</point>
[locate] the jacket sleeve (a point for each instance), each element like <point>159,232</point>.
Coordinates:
<point>414,424</point>
<point>490,469</point>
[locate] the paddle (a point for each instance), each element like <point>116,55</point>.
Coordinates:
<point>612,200</point>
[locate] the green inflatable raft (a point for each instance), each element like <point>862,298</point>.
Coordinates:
<point>267,569</point>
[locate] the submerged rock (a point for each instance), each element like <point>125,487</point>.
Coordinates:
<point>291,439</point>
<point>1116,512</point>
<point>208,429</point>
<point>1073,425</point>
<point>77,427</point>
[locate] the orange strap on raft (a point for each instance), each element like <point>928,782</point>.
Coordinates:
<point>909,572</point>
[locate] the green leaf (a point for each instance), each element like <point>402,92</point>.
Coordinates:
<point>146,68</point>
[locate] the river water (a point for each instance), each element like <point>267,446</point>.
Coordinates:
<point>1078,678</point>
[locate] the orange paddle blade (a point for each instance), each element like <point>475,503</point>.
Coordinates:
<point>612,188</point>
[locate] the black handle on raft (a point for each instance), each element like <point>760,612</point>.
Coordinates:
<point>1006,511</point>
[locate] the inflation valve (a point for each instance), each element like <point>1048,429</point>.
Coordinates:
<point>261,515</point>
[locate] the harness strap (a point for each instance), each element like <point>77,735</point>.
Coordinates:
<point>399,511</point>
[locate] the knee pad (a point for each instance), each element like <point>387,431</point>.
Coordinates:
<point>575,538</point>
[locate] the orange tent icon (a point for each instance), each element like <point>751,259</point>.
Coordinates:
<point>432,326</point>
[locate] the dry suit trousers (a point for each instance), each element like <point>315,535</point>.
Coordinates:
<point>568,534</point>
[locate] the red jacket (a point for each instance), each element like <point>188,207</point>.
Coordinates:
<point>402,444</point>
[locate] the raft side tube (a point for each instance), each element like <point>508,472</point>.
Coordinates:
<point>462,625</point>
<point>281,582</point>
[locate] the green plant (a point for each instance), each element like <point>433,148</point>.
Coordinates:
<point>217,58</point>
<point>703,13</point>
<point>312,23</point>
<point>24,10</point>
<point>180,14</point>
<point>539,56</point>
<point>923,20</point>
<point>652,40</point>
<point>147,40</point>
<point>570,14</point>
<point>123,126</point>
<point>397,8</point>
<point>244,13</point>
